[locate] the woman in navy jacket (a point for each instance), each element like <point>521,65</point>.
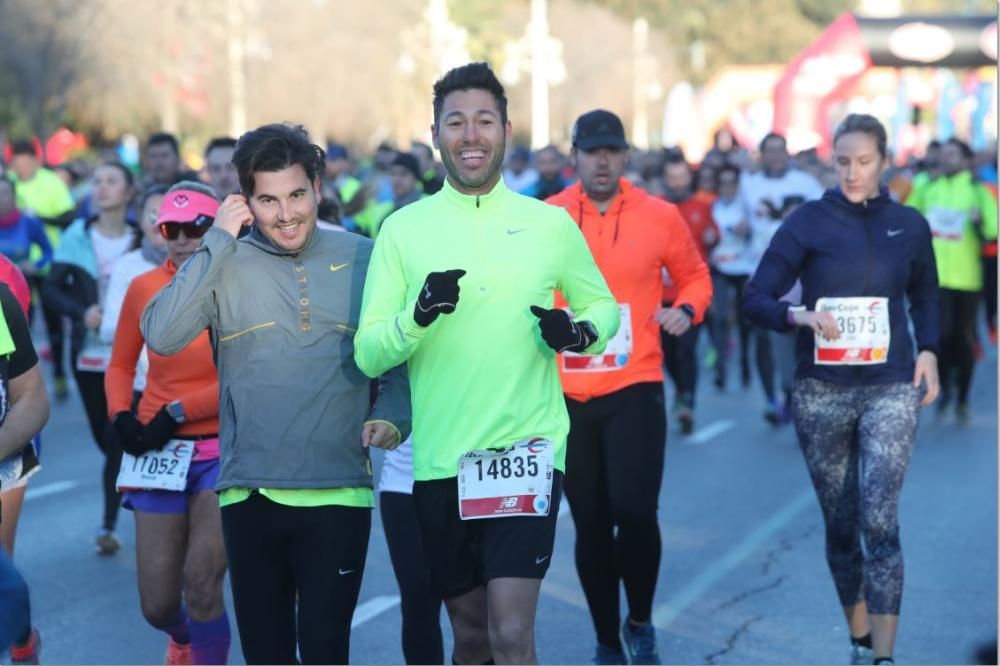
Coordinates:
<point>859,383</point>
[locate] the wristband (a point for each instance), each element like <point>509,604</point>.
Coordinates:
<point>790,313</point>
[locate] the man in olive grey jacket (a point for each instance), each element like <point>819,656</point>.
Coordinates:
<point>295,412</point>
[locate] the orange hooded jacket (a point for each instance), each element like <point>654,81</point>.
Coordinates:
<point>637,237</point>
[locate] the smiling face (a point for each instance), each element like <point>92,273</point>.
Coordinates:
<point>472,140</point>
<point>284,204</point>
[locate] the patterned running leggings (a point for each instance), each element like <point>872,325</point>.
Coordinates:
<point>857,442</point>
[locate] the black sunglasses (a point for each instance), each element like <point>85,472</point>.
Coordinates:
<point>196,229</point>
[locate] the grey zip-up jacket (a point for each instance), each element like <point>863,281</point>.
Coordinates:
<point>292,402</point>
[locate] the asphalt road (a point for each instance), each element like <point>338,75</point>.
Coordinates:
<point>743,578</point>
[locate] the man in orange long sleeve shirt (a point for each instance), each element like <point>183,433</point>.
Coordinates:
<point>680,353</point>
<point>614,459</point>
<point>169,476</point>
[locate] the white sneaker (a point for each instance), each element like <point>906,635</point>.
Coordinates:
<point>861,655</point>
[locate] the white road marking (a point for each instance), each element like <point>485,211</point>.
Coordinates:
<point>563,508</point>
<point>372,608</point>
<point>711,431</point>
<point>53,488</point>
<point>665,614</point>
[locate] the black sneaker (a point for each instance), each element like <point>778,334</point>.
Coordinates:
<point>605,654</point>
<point>640,643</point>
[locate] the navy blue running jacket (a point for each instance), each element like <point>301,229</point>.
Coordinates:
<point>840,249</point>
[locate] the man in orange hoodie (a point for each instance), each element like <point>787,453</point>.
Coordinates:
<point>614,459</point>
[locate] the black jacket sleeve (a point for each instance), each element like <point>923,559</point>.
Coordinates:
<point>775,276</point>
<point>69,290</point>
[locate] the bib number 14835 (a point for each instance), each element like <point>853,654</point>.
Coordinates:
<point>515,481</point>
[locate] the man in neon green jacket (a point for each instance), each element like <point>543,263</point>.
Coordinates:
<point>482,366</point>
<point>962,215</point>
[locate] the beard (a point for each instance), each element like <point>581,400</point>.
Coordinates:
<point>491,171</point>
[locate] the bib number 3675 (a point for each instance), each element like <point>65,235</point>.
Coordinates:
<point>515,481</point>
<point>863,323</point>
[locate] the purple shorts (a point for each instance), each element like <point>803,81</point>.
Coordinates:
<point>201,476</point>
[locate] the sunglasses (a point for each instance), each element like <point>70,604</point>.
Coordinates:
<point>196,229</point>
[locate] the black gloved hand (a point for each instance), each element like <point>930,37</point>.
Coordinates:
<point>562,333</point>
<point>129,431</point>
<point>159,431</point>
<point>439,295</point>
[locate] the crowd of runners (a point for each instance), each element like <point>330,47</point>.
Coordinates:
<point>506,325</point>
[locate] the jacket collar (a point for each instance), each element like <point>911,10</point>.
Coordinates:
<point>474,201</point>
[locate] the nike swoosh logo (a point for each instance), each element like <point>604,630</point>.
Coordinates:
<point>893,232</point>
<point>511,232</point>
<point>344,572</point>
<point>539,560</point>
<point>335,268</point>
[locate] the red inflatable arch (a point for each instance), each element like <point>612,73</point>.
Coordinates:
<point>818,76</point>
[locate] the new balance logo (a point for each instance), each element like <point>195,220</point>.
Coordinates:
<point>508,502</point>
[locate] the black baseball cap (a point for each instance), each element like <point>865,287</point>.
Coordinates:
<point>599,129</point>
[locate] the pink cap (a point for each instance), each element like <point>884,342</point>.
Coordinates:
<point>186,206</point>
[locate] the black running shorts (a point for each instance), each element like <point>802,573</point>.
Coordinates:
<point>464,554</point>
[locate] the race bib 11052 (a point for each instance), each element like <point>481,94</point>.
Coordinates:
<point>166,469</point>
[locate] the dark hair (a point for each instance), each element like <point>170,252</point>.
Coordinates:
<point>934,143</point>
<point>220,142</point>
<point>275,147</point>
<point>23,147</point>
<point>773,135</point>
<point>126,172</point>
<point>962,146</point>
<point>675,158</point>
<point>551,148</point>
<point>150,192</point>
<point>158,138</point>
<point>864,124</point>
<point>474,76</point>
<point>727,168</point>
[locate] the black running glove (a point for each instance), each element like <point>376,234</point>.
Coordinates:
<point>158,432</point>
<point>439,295</point>
<point>129,431</point>
<point>562,333</point>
